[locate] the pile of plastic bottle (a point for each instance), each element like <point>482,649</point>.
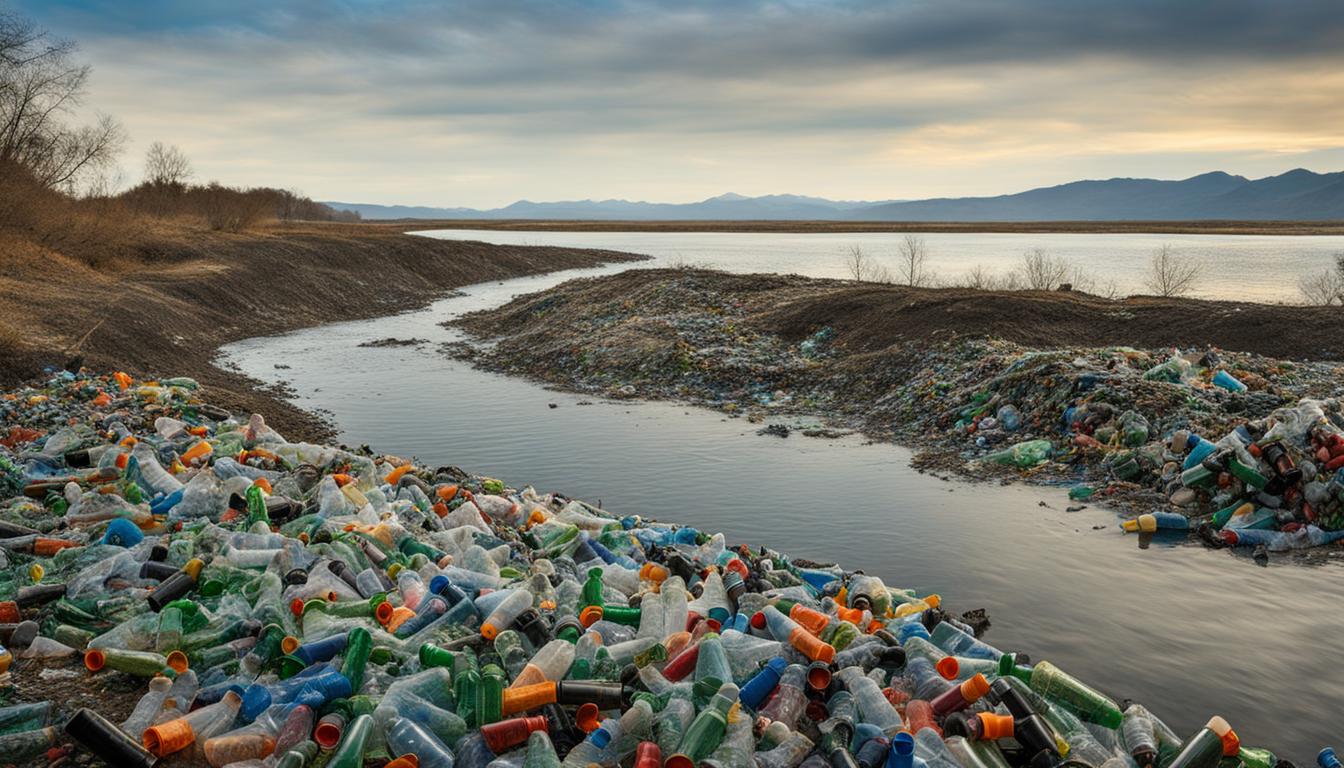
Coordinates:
<point>1274,482</point>
<point>289,604</point>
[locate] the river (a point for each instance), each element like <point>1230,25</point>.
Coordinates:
<point>1264,268</point>
<point>1187,631</point>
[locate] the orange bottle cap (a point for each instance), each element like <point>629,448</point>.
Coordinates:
<point>588,717</point>
<point>166,738</point>
<point>994,726</point>
<point>974,688</point>
<point>408,760</point>
<point>94,660</point>
<point>288,643</point>
<point>193,568</point>
<point>590,615</point>
<point>177,660</point>
<point>383,612</point>
<point>948,667</point>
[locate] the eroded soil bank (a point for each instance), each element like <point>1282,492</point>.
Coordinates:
<point>183,294</point>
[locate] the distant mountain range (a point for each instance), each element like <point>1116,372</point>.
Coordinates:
<point>1296,195</point>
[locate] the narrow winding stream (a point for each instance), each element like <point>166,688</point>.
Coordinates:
<point>1187,631</point>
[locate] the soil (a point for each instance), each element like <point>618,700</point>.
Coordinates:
<point>187,292</point>
<point>869,318</point>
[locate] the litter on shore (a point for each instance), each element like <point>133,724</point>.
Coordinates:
<point>274,603</point>
<point>1246,451</point>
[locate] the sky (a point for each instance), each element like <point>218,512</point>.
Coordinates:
<point>483,102</point>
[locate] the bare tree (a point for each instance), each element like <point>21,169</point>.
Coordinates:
<point>912,253</point>
<point>1324,288</point>
<point>1039,271</point>
<point>40,86</point>
<point>1169,276</point>
<point>861,267</point>
<point>166,165</point>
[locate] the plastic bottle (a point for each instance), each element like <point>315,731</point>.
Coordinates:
<point>705,732</point>
<point>1208,746</point>
<point>1023,455</point>
<point>404,736</point>
<point>786,630</point>
<point>195,728</point>
<point>1154,521</point>
<point>148,708</point>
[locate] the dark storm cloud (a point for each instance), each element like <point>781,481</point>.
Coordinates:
<point>910,83</point>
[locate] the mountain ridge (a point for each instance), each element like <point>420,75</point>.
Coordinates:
<point>1295,195</point>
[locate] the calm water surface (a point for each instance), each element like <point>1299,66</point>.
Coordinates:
<point>1189,632</point>
<point>1251,267</point>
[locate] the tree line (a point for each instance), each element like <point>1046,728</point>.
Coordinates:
<point>52,167</point>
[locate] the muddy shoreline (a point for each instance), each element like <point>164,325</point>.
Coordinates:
<point>185,294</point>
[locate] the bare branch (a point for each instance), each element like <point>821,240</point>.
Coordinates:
<point>1169,276</point>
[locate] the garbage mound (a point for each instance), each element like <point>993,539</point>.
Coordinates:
<point>1247,450</point>
<point>280,603</point>
<point>1235,446</point>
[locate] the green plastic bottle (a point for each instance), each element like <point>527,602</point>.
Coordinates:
<point>1089,704</point>
<point>356,656</point>
<point>705,732</point>
<point>350,752</point>
<point>1023,455</point>
<point>592,588</point>
<point>540,752</point>
<point>490,695</point>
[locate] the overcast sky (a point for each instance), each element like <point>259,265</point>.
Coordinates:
<point>482,103</point>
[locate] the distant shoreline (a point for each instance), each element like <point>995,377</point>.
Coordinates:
<point>1296,228</point>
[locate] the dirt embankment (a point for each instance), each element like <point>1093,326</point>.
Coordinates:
<point>869,318</point>
<point>167,307</point>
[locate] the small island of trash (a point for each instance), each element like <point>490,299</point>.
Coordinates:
<point>1240,449</point>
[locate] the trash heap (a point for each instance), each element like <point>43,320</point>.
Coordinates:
<point>289,604</point>
<point>1221,443</point>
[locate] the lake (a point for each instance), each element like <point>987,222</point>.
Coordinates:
<point>1263,268</point>
<point>1187,631</point>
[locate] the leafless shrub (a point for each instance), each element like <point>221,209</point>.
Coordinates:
<point>1169,276</point>
<point>1324,288</point>
<point>863,268</point>
<point>911,264</point>
<point>980,278</point>
<point>230,210</point>
<point>1039,271</point>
